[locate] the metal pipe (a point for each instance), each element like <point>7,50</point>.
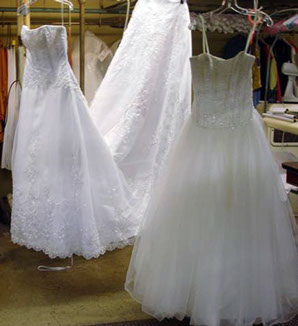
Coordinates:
<point>107,22</point>
<point>75,10</point>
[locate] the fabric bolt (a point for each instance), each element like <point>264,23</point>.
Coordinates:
<point>145,97</point>
<point>218,240</point>
<point>69,197</point>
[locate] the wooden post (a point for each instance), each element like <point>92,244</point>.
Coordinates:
<point>27,17</point>
<point>20,50</point>
<point>82,44</point>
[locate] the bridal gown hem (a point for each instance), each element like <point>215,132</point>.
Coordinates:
<point>69,197</point>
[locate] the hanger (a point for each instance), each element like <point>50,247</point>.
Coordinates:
<point>233,5</point>
<point>24,9</point>
<point>225,5</point>
<point>284,11</point>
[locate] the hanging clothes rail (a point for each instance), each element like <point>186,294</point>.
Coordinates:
<point>75,10</point>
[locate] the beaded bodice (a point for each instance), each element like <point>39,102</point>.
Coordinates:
<point>47,62</point>
<point>222,90</point>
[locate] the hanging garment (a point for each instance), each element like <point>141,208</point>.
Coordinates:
<point>256,75</point>
<point>217,243</point>
<point>256,69</point>
<point>12,109</point>
<point>145,96</point>
<point>3,88</point>
<point>235,45</point>
<point>97,60</point>
<point>69,196</point>
<point>282,53</point>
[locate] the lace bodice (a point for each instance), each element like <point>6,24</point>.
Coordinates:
<point>47,62</point>
<point>222,90</point>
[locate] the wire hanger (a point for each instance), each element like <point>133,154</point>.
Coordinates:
<point>233,5</point>
<point>127,14</point>
<point>284,11</point>
<point>24,9</point>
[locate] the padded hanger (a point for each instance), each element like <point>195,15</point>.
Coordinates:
<point>233,5</point>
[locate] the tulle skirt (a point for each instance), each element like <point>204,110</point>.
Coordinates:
<point>218,241</point>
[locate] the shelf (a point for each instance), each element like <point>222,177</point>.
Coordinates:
<point>290,127</point>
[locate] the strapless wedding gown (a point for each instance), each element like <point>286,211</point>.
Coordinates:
<point>217,243</point>
<point>145,96</point>
<point>69,197</point>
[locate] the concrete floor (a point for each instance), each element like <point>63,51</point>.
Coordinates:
<point>91,293</point>
<point>5,179</point>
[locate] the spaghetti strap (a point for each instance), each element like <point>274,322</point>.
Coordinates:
<point>204,39</point>
<point>251,33</point>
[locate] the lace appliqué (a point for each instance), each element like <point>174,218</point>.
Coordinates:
<point>153,34</point>
<point>47,64</point>
<point>35,211</point>
<point>62,78</point>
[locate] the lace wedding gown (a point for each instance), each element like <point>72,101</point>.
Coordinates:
<point>217,244</point>
<point>145,96</point>
<point>68,195</point>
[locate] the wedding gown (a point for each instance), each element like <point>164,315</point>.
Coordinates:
<point>217,243</point>
<point>68,195</point>
<point>145,96</point>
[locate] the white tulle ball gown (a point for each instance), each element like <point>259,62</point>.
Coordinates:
<point>218,243</point>
<point>68,194</point>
